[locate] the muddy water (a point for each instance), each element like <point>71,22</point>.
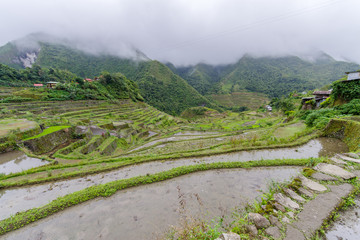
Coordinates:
<point>17,161</point>
<point>145,211</point>
<point>348,225</point>
<point>19,199</point>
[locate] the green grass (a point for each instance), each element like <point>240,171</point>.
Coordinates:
<point>242,98</point>
<point>48,131</point>
<point>290,130</point>
<point>8,125</point>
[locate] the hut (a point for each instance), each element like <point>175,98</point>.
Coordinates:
<point>51,84</point>
<point>351,76</point>
<point>321,96</point>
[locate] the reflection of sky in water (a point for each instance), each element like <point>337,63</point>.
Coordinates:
<point>138,212</point>
<point>39,194</point>
<point>347,226</point>
<point>17,161</point>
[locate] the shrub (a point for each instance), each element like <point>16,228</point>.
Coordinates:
<point>353,107</point>
<point>319,118</point>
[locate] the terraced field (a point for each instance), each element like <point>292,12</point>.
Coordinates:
<point>242,98</point>
<point>96,148</point>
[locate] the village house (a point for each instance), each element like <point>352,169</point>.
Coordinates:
<point>51,84</point>
<point>268,108</point>
<point>352,76</point>
<point>320,96</point>
<point>38,85</point>
<point>88,80</point>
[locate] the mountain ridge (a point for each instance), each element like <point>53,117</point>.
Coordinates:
<point>158,84</point>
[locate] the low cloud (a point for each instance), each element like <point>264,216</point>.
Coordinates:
<point>186,32</point>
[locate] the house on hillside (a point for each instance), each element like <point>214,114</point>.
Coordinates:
<point>352,76</point>
<point>268,108</point>
<point>51,84</point>
<point>314,102</point>
<point>38,85</point>
<point>88,80</point>
<point>307,103</point>
<point>321,96</point>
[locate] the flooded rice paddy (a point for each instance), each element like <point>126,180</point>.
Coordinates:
<point>23,198</point>
<point>17,161</point>
<point>347,226</point>
<point>147,211</point>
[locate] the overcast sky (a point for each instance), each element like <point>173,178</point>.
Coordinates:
<point>191,31</point>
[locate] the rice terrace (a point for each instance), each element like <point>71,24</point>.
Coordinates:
<point>221,131</point>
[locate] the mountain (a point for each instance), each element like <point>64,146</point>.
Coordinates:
<point>274,76</point>
<point>203,77</point>
<point>166,90</point>
<point>158,84</point>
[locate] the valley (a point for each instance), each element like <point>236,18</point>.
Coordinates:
<point>116,154</point>
<point>106,146</point>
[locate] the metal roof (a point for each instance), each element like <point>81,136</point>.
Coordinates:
<point>322,93</point>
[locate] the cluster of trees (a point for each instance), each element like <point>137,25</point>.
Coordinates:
<point>346,90</point>
<point>70,86</point>
<point>12,77</point>
<point>109,86</point>
<point>167,91</point>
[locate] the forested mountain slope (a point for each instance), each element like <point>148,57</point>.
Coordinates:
<point>274,76</point>
<point>158,84</point>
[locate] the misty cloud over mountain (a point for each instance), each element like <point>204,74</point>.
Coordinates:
<point>186,32</point>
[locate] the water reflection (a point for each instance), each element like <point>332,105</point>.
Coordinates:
<point>17,161</point>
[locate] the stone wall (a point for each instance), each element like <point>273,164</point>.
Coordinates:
<point>48,142</point>
<point>346,130</point>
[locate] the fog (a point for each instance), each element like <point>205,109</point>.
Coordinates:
<point>187,31</point>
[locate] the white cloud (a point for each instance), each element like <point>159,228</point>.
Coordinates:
<point>188,31</point>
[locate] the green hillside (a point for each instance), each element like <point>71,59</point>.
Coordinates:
<point>81,63</point>
<point>7,54</point>
<point>70,86</point>
<point>274,76</point>
<point>235,100</point>
<point>279,76</point>
<point>204,78</point>
<point>166,90</point>
<point>12,77</point>
<point>158,84</point>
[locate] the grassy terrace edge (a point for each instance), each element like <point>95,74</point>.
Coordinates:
<point>47,131</point>
<point>105,190</point>
<point>123,162</point>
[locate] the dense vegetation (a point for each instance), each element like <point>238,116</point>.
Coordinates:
<point>274,76</point>
<point>70,86</point>
<point>27,77</point>
<point>158,84</point>
<point>81,63</point>
<point>345,90</point>
<point>320,117</point>
<point>203,77</point>
<point>167,91</point>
